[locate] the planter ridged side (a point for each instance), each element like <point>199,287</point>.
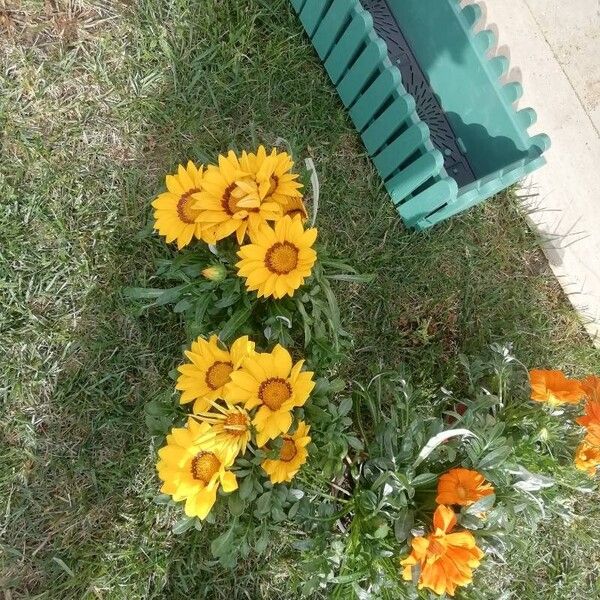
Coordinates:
<point>456,139</point>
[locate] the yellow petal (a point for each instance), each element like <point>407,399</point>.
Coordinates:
<point>229,482</point>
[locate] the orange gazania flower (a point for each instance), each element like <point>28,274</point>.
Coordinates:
<point>446,559</point>
<point>462,486</point>
<point>554,388</point>
<point>591,421</point>
<point>587,457</point>
<point>591,387</point>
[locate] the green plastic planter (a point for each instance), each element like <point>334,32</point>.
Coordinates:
<point>437,122</point>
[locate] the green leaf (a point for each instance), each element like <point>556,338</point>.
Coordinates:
<point>322,387</point>
<point>381,532</point>
<point>352,278</point>
<point>236,504</point>
<point>262,542</point>
<point>158,417</point>
<point>355,443</point>
<point>338,265</point>
<point>138,293</point>
<point>61,563</point>
<point>293,510</point>
<point>348,578</point>
<point>494,458</point>
<point>345,406</point>
<point>263,503</point>
<point>246,488</point>
<point>227,301</point>
<point>236,320</point>
<point>424,479</point>
<point>183,525</point>
<point>169,296</point>
<point>403,524</point>
<point>182,305</point>
<point>162,499</point>
<point>471,521</point>
<point>481,506</point>
<point>306,321</point>
<point>334,309</point>
<point>337,385</point>
<point>278,515</point>
<point>221,545</point>
<point>201,307</point>
<point>155,408</point>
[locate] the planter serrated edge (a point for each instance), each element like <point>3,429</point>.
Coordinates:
<point>426,185</point>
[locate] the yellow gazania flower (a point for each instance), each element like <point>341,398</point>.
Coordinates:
<point>203,379</point>
<point>268,380</point>
<point>175,216</point>
<point>273,174</point>
<point>230,427</point>
<point>192,468</point>
<point>292,455</point>
<point>294,207</point>
<point>224,207</point>
<point>259,207</point>
<point>445,558</point>
<point>215,201</point>
<point>279,260</point>
<point>252,162</point>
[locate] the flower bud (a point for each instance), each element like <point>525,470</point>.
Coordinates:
<point>215,272</point>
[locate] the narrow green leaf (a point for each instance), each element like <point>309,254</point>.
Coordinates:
<point>494,458</point>
<point>139,293</point>
<point>351,278</point>
<point>424,479</point>
<point>438,439</point>
<point>169,296</point>
<point>236,320</point>
<point>227,301</point>
<point>201,307</point>
<point>61,563</point>
<point>403,524</point>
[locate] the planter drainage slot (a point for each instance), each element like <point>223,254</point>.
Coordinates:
<point>428,103</point>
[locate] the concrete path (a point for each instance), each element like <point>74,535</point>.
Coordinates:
<point>555,52</point>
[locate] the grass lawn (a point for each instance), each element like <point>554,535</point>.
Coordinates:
<point>99,101</point>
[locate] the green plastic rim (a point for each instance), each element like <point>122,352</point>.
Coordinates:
<point>492,133</point>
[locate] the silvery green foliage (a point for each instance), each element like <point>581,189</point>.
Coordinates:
<point>389,489</point>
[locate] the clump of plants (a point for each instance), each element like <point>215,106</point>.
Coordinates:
<point>265,335</point>
<point>444,479</point>
<point>382,490</point>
